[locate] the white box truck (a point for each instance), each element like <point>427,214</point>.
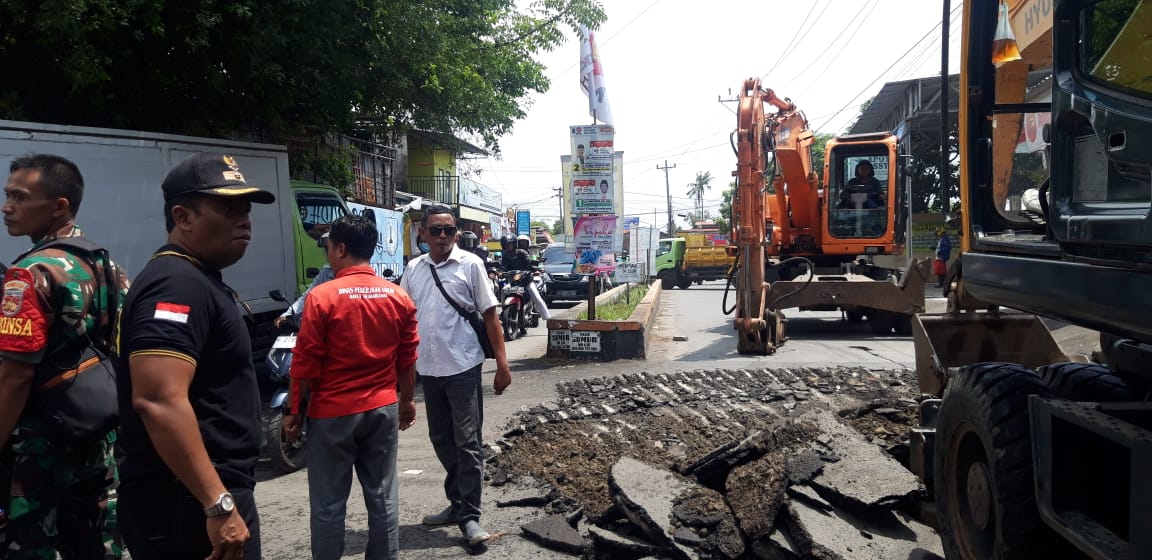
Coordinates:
<point>123,207</point>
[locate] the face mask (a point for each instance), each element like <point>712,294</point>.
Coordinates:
<point>423,247</point>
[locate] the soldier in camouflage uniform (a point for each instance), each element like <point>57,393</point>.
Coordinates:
<point>62,498</point>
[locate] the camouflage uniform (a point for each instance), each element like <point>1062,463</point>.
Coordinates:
<point>63,499</point>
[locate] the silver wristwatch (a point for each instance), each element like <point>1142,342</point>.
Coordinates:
<point>224,505</point>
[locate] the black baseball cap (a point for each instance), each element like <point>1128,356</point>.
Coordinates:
<point>214,174</point>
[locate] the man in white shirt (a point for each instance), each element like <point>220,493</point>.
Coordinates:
<point>449,361</point>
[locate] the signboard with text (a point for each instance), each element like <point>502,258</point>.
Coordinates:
<point>629,272</point>
<point>595,238</point>
<point>523,222</point>
<point>592,178</point>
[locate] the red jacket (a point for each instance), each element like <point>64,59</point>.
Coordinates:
<point>358,332</point>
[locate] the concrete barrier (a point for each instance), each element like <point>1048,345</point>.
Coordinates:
<point>604,341</point>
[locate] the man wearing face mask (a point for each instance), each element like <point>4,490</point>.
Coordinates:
<point>189,403</point>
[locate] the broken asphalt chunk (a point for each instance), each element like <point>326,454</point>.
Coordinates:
<point>554,532</point>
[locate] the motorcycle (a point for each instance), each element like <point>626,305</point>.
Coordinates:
<point>518,312</point>
<point>286,457</point>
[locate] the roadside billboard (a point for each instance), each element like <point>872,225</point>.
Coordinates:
<point>596,240</point>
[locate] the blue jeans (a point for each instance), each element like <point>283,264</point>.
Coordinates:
<point>455,410</point>
<point>365,441</point>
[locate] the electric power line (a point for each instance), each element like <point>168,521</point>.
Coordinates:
<point>786,50</point>
<point>860,23</point>
<point>885,72</point>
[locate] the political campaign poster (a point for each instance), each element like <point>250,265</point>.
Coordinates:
<point>592,181</point>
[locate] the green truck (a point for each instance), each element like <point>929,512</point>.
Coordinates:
<point>680,261</point>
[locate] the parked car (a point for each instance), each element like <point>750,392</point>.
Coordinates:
<point>558,261</point>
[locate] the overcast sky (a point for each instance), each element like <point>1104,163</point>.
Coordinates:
<point>666,63</point>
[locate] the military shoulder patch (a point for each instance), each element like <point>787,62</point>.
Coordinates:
<point>23,321</point>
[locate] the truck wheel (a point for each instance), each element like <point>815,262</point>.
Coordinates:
<point>666,281</point>
<point>983,466</point>
<point>684,283</point>
<point>1085,382</point>
<point>286,458</point>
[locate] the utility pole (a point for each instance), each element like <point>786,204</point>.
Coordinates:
<point>668,190</point>
<point>563,224</point>
<point>944,174</point>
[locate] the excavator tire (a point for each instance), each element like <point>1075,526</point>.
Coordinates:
<point>1085,382</point>
<point>983,467</point>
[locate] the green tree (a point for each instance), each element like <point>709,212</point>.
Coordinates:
<point>557,226</point>
<point>539,224</point>
<point>272,70</point>
<point>924,169</point>
<point>819,145</point>
<point>724,222</point>
<point>696,190</point>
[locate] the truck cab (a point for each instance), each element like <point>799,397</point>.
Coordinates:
<point>317,206</point>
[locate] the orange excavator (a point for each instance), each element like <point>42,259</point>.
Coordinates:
<point>804,243</point>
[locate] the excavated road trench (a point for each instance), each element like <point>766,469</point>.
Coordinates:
<point>773,463</point>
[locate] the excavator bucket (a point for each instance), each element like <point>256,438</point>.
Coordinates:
<point>946,341</point>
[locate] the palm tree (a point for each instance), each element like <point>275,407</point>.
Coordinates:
<point>696,190</point>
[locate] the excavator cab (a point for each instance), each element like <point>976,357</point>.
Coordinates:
<point>861,192</point>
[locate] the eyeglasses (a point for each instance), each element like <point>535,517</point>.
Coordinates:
<point>437,231</point>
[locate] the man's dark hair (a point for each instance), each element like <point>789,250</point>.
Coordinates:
<point>357,233</point>
<point>59,177</point>
<point>434,210</point>
<point>189,201</point>
<point>864,163</point>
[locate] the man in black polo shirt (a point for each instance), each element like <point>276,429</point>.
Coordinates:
<point>189,402</point>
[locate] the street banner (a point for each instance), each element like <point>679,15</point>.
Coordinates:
<point>523,222</point>
<point>592,184</point>
<point>592,78</point>
<point>595,240</point>
<point>592,150</point>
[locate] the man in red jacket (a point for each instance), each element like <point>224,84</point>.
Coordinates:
<point>356,354</point>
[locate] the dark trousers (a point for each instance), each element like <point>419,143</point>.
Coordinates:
<point>455,410</point>
<point>366,442</point>
<point>167,522</point>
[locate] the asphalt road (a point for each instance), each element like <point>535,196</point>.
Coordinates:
<point>816,339</point>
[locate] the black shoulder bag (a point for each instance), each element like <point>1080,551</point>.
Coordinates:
<point>74,389</point>
<point>475,320</point>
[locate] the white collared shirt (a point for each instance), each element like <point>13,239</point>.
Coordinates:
<point>448,344</point>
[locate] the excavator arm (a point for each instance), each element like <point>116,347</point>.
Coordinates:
<point>767,221</point>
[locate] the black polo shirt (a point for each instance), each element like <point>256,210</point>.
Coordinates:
<point>178,308</point>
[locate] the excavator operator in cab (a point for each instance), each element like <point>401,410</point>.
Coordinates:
<point>864,183</point>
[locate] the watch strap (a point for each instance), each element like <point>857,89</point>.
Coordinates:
<point>218,509</point>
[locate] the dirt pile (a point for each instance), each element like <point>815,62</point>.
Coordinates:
<point>724,464</point>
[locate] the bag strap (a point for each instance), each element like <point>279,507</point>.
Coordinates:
<point>97,259</point>
<point>451,301</point>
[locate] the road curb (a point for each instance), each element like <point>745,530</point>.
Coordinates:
<point>604,341</point>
